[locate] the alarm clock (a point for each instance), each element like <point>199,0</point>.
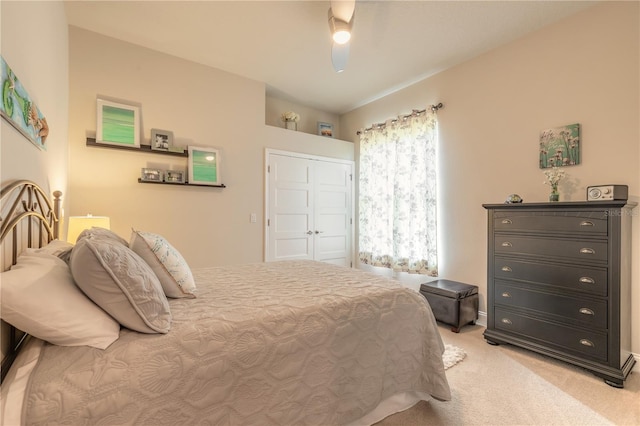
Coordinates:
<point>607,192</point>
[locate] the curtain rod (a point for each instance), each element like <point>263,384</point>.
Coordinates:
<point>433,108</point>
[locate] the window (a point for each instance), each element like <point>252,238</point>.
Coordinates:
<point>397,202</point>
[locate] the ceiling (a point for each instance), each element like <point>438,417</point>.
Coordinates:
<point>287,45</point>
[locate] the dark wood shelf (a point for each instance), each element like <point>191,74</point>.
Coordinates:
<point>143,148</point>
<point>181,183</point>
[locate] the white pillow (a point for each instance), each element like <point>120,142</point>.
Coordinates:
<point>40,298</point>
<point>166,262</point>
<point>96,231</point>
<point>58,248</point>
<point>121,283</point>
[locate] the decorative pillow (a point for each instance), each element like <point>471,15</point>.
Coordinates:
<point>121,283</point>
<point>40,298</point>
<point>102,233</point>
<point>166,262</point>
<point>58,248</point>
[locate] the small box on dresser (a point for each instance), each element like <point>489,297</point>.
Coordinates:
<point>559,282</point>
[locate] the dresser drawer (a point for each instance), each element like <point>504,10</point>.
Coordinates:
<point>552,222</point>
<point>588,313</point>
<point>581,342</point>
<point>575,278</point>
<point>556,248</point>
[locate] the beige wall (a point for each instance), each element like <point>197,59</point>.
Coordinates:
<point>35,45</point>
<point>584,70</point>
<point>203,107</point>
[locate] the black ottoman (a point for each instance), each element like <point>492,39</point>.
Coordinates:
<point>452,302</point>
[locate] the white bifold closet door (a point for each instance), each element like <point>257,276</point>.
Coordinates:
<point>309,208</point>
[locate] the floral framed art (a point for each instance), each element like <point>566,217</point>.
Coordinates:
<point>560,146</point>
<point>204,166</point>
<point>118,124</point>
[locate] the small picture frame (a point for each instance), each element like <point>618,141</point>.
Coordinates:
<point>151,175</point>
<point>174,176</point>
<point>161,140</point>
<point>325,129</point>
<point>204,166</point>
<point>118,124</point>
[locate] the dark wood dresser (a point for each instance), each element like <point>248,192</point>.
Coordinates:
<point>559,282</point>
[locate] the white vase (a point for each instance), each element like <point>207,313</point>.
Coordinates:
<point>291,125</point>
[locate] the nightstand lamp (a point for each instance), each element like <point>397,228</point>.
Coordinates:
<point>77,224</point>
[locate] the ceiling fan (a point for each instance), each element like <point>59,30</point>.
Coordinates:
<point>341,15</point>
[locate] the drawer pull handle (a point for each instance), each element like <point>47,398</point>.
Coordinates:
<point>587,280</point>
<point>587,250</point>
<point>506,321</point>
<point>586,342</point>
<point>506,294</point>
<point>507,221</point>
<point>586,223</point>
<point>586,311</point>
<point>506,269</point>
<point>507,244</point>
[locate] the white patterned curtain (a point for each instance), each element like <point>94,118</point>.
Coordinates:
<point>397,201</point>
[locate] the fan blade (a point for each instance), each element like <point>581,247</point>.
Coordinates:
<point>339,56</point>
<point>343,10</point>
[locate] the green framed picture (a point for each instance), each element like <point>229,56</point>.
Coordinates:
<point>118,124</point>
<point>204,166</point>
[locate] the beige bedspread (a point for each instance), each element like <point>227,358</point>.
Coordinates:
<point>286,343</point>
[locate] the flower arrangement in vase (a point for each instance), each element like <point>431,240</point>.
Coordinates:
<point>553,177</point>
<point>290,120</point>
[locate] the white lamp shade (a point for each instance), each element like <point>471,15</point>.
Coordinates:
<point>77,224</point>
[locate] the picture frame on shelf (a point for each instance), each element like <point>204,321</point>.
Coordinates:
<point>161,140</point>
<point>325,129</point>
<point>118,124</point>
<point>151,175</point>
<point>174,176</point>
<point>204,166</point>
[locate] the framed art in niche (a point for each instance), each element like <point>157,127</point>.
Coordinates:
<point>118,124</point>
<point>560,146</point>
<point>204,166</point>
<point>325,129</point>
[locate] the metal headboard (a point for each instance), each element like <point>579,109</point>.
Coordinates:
<point>28,219</point>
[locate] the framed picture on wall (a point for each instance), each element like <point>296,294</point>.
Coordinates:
<point>204,166</point>
<point>118,124</point>
<point>325,129</point>
<point>20,110</point>
<point>161,140</point>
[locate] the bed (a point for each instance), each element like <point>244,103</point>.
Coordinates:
<point>291,342</point>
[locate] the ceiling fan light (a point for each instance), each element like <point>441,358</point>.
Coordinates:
<point>341,36</point>
<point>340,30</point>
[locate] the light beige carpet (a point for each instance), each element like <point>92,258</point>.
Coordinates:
<point>505,385</point>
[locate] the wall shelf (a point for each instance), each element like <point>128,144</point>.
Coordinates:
<point>181,184</point>
<point>143,148</point>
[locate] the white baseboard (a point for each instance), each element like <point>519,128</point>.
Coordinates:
<point>482,320</point>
